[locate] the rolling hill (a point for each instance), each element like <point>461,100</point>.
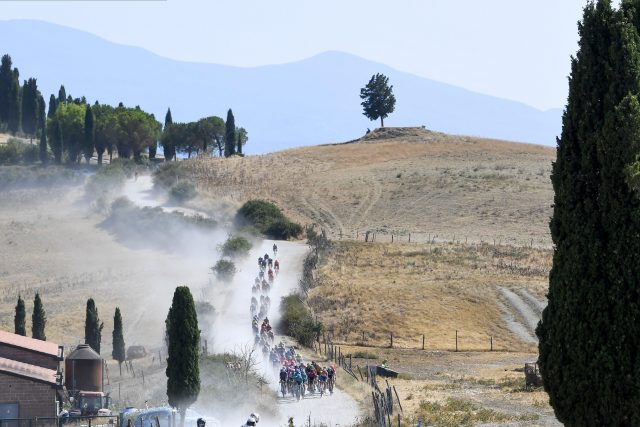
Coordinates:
<point>308,102</point>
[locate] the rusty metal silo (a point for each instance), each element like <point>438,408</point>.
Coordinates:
<point>83,369</point>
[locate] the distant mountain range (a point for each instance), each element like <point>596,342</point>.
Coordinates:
<point>308,102</point>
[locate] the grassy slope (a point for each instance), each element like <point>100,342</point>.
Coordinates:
<point>400,181</point>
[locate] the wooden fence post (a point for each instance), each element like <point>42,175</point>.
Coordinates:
<point>491,349</point>
<point>456,340</point>
<point>391,336</point>
<point>423,341</point>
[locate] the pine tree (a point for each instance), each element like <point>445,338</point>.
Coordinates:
<point>183,372</point>
<point>589,334</point>
<point>243,137</point>
<point>93,326</point>
<point>378,98</point>
<point>19,321</point>
<point>87,143</point>
<point>38,319</point>
<point>118,352</point>
<point>230,135</point>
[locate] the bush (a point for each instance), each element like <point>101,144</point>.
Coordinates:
<point>236,246</point>
<point>268,218</point>
<point>168,175</point>
<point>110,178</point>
<point>36,176</point>
<point>183,191</point>
<point>16,151</point>
<point>283,229</point>
<point>224,270</point>
<point>297,321</point>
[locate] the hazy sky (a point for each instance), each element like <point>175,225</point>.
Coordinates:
<point>514,49</point>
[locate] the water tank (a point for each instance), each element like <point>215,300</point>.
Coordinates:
<point>83,369</point>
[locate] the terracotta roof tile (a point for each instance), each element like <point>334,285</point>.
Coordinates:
<point>39,346</point>
<point>27,370</point>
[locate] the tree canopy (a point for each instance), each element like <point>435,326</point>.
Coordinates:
<point>38,319</point>
<point>93,326</point>
<point>589,334</point>
<point>19,320</point>
<point>378,99</point>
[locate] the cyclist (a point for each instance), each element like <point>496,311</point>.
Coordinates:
<point>331,374</point>
<point>276,265</point>
<point>275,249</point>
<point>311,375</point>
<point>322,381</point>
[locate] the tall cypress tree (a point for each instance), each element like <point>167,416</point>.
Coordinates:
<point>62,95</point>
<point>183,335</point>
<point>15,94</point>
<point>19,321</point>
<point>38,319</point>
<point>168,145</point>
<point>230,135</point>
<point>93,326</point>
<point>589,333</point>
<point>118,352</point>
<point>6,80</point>
<point>29,106</point>
<point>42,128</point>
<point>87,143</point>
<point>53,104</point>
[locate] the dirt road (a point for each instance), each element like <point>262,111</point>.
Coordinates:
<point>231,331</point>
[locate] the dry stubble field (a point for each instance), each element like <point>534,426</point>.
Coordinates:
<point>401,181</point>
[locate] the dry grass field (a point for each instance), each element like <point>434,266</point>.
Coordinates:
<point>410,290</point>
<point>401,181</point>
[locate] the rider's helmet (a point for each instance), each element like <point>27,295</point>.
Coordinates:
<point>256,416</point>
<point>251,422</point>
<point>200,422</point>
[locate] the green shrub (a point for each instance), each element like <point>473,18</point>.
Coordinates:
<point>268,218</point>
<point>16,151</point>
<point>224,270</point>
<point>110,178</point>
<point>182,191</point>
<point>168,175</point>
<point>37,176</point>
<point>235,246</point>
<point>297,321</point>
<point>283,229</point>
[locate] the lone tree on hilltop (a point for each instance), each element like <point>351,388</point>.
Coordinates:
<point>38,319</point>
<point>183,336</point>
<point>118,352</point>
<point>19,319</point>
<point>378,99</point>
<point>589,333</point>
<point>93,327</point>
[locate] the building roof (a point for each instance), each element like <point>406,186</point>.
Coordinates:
<point>84,352</point>
<point>38,346</point>
<point>28,371</point>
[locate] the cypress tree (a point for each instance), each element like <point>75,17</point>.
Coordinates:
<point>183,335</point>
<point>118,352</point>
<point>55,139</point>
<point>29,106</point>
<point>88,142</point>
<point>38,319</point>
<point>53,104</point>
<point>19,321</point>
<point>589,334</point>
<point>93,326</point>
<point>42,128</point>
<point>62,95</point>
<point>230,135</point>
<point>168,143</point>
<point>6,80</point>
<point>15,93</point>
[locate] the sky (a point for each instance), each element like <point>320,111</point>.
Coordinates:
<point>518,50</point>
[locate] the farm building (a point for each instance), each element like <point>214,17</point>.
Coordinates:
<point>29,379</point>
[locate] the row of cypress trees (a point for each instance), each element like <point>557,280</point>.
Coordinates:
<point>38,319</point>
<point>590,331</point>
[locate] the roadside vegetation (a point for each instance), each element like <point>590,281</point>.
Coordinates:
<point>235,247</point>
<point>268,219</point>
<point>297,321</point>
